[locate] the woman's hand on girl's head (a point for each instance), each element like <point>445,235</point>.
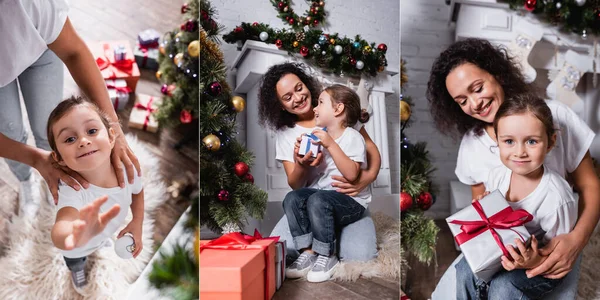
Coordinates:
<point>123,156</point>
<point>52,172</point>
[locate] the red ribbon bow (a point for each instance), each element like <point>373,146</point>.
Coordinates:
<point>149,111</point>
<point>105,62</point>
<point>504,219</point>
<point>239,241</point>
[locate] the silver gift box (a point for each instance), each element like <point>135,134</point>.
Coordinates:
<point>482,252</point>
<point>280,249</point>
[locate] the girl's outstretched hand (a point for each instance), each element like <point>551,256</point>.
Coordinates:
<point>90,223</point>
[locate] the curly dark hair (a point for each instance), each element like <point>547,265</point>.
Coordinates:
<point>447,114</point>
<point>270,113</point>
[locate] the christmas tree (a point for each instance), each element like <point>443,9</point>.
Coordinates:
<point>227,191</point>
<point>419,233</point>
<point>178,71</point>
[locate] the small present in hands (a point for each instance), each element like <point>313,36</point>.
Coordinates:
<point>482,230</point>
<point>307,145</point>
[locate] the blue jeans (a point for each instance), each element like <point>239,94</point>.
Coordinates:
<point>42,88</point>
<point>315,216</point>
<point>505,285</point>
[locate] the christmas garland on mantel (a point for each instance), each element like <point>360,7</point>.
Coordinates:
<point>578,16</point>
<point>330,52</point>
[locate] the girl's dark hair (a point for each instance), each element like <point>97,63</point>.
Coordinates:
<point>447,114</point>
<point>345,95</point>
<point>63,108</point>
<point>270,112</point>
<point>523,103</point>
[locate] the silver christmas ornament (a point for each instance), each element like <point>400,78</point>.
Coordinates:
<point>360,65</point>
<point>337,49</point>
<point>317,47</point>
<point>558,5</point>
<point>263,36</point>
<point>580,2</point>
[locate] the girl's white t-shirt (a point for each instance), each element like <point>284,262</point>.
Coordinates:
<point>552,204</point>
<point>478,155</point>
<point>26,29</point>
<point>285,139</point>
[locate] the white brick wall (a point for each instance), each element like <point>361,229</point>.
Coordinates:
<point>426,32</point>
<point>375,21</point>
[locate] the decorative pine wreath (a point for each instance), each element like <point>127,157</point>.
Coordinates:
<point>312,17</point>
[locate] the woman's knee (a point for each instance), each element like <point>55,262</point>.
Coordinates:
<point>358,241</point>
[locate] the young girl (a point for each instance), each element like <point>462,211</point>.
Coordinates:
<point>317,211</point>
<point>525,132</point>
<point>82,139</point>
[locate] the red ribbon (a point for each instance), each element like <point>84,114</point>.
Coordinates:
<point>239,241</point>
<point>125,65</point>
<point>152,45</point>
<point>149,110</point>
<point>504,219</point>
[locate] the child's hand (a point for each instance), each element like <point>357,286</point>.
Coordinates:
<point>480,196</point>
<point>324,137</point>
<point>135,228</point>
<point>527,258</point>
<point>90,223</point>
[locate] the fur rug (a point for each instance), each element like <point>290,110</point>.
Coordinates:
<point>387,263</point>
<point>588,288</point>
<point>33,269</point>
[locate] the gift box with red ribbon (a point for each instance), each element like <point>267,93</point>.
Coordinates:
<point>118,92</point>
<point>142,113</point>
<point>112,68</point>
<point>484,228</point>
<point>146,58</point>
<point>280,263</point>
<point>238,266</point>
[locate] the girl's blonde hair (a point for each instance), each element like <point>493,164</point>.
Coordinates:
<point>66,106</point>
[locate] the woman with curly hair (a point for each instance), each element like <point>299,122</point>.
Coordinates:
<point>287,98</point>
<point>467,84</point>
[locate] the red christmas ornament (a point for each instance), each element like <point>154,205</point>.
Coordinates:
<point>255,24</point>
<point>425,200</point>
<point>185,117</point>
<point>238,29</point>
<point>191,25</point>
<point>280,5</point>
<point>278,43</point>
<point>204,15</point>
<point>352,61</point>
<point>304,51</point>
<point>249,177</point>
<point>215,88</point>
<point>164,89</point>
<point>315,22</point>
<point>287,18</point>
<point>223,195</point>
<point>291,21</point>
<point>182,27</point>
<point>406,201</point>
<point>241,169</point>
<point>184,9</point>
<point>382,48</point>
<point>530,5</point>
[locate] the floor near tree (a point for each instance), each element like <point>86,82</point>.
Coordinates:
<point>113,19</point>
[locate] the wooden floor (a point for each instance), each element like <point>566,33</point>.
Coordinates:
<point>376,288</point>
<point>111,20</point>
<point>422,279</point>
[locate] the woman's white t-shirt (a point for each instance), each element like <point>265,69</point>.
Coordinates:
<point>552,204</point>
<point>26,29</point>
<point>478,155</point>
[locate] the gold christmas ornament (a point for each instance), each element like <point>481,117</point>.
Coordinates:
<point>197,245</point>
<point>367,48</point>
<point>178,58</point>
<point>178,35</point>
<point>309,18</point>
<point>296,44</point>
<point>404,111</point>
<point>332,41</point>
<point>158,75</point>
<point>238,103</point>
<point>381,68</point>
<point>212,142</point>
<point>161,48</point>
<point>194,48</point>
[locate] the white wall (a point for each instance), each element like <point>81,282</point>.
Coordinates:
<point>376,21</point>
<point>426,32</point>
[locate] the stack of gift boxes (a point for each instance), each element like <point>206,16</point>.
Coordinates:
<point>120,68</point>
<point>238,266</point>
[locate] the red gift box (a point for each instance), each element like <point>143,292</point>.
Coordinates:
<point>110,68</point>
<point>237,267</point>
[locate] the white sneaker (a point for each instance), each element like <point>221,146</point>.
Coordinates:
<point>29,196</point>
<point>323,268</point>
<point>301,265</point>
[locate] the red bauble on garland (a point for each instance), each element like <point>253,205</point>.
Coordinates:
<point>304,51</point>
<point>215,89</point>
<point>241,169</point>
<point>425,200</point>
<point>530,5</point>
<point>382,48</point>
<point>185,117</point>
<point>406,201</point>
<point>255,24</point>
<point>184,9</point>
<point>223,195</point>
<point>238,29</point>
<point>278,43</point>
<point>248,177</point>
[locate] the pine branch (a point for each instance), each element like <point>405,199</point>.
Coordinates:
<point>176,274</point>
<point>419,235</point>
